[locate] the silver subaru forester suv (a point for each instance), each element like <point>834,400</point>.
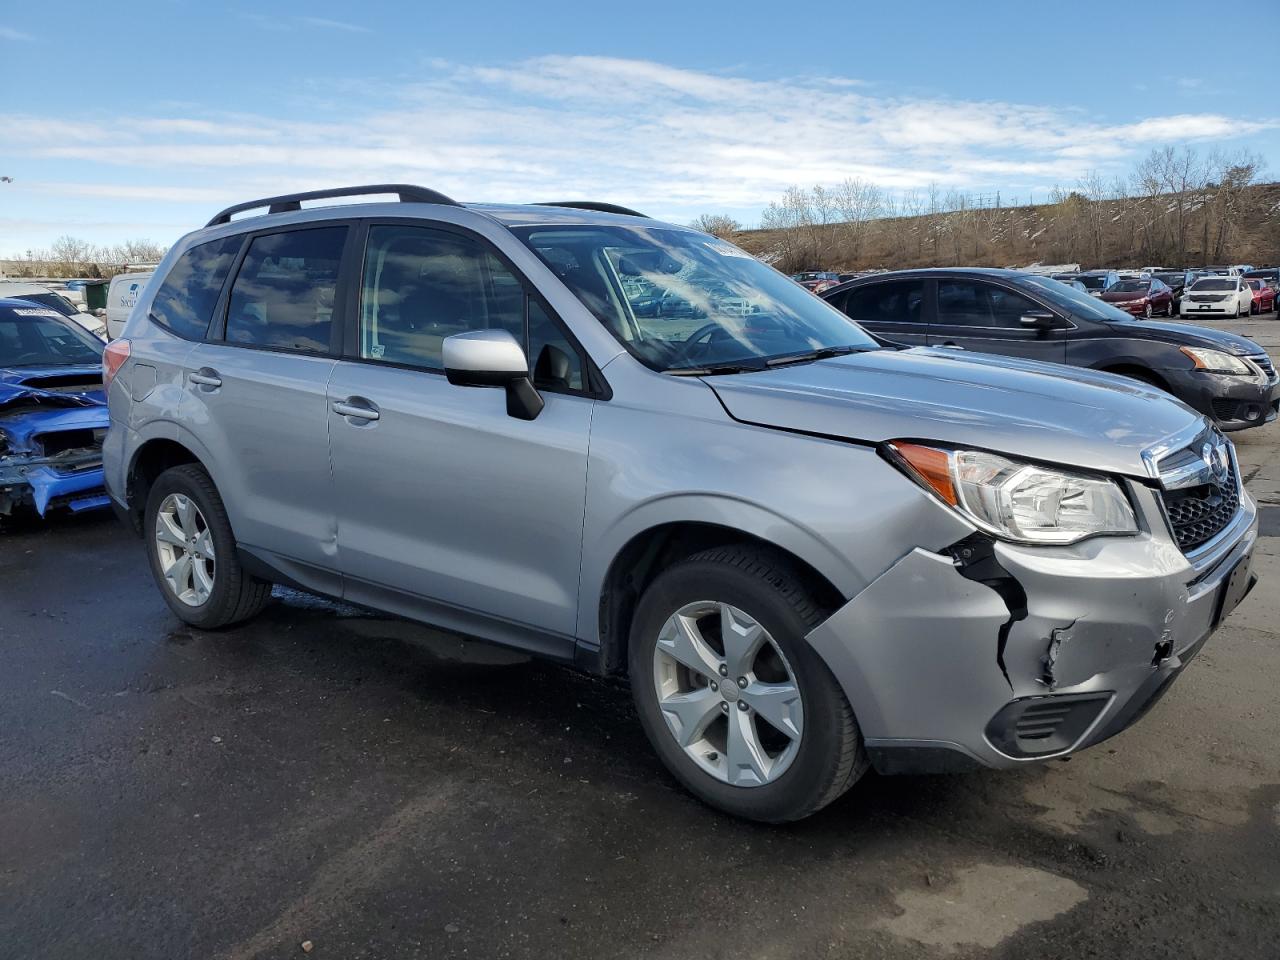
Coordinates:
<point>632,447</point>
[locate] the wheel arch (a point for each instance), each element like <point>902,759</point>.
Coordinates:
<point>152,458</point>
<point>653,549</point>
<point>1136,371</point>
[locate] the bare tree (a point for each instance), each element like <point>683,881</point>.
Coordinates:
<point>717,224</point>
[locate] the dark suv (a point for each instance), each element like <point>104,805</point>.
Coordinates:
<point>1224,376</point>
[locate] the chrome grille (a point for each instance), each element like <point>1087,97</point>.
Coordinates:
<point>1264,363</point>
<point>1201,505</point>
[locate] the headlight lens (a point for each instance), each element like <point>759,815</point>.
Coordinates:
<point>1016,500</point>
<point>1215,361</point>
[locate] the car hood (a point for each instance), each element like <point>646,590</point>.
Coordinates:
<point>1058,414</point>
<point>1193,336</point>
<point>1112,296</point>
<point>73,380</point>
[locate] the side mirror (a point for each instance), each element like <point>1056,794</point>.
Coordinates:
<point>493,358</point>
<point>1038,319</point>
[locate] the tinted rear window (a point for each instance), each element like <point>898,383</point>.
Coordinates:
<point>53,301</point>
<point>284,294</point>
<point>186,300</point>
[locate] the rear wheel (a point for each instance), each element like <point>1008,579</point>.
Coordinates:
<point>736,703</point>
<point>193,552</point>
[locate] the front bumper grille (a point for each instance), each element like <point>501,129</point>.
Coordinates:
<point>1200,512</point>
<point>1197,519</point>
<point>1263,363</point>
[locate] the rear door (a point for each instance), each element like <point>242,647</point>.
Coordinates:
<point>257,395</point>
<point>986,317</point>
<point>891,309</point>
<point>450,509</point>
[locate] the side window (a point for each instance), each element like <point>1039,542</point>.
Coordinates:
<point>1008,307</point>
<point>898,301</point>
<point>186,300</point>
<point>557,364</point>
<point>422,285</point>
<point>283,296</point>
<point>962,303</point>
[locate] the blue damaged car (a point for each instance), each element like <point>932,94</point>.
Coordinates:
<point>53,413</point>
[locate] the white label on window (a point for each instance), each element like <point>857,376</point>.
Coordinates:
<point>377,350</point>
<point>727,250</point>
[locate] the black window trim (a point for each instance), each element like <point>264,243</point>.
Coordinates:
<point>218,328</point>
<point>598,387</point>
<point>1066,324</point>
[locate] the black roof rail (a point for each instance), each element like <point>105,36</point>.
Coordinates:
<point>407,192</point>
<point>595,205</point>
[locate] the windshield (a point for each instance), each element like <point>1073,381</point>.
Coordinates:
<point>41,338</point>
<point>1130,286</point>
<point>1093,283</point>
<point>53,301</point>
<point>1214,285</point>
<point>1171,278</point>
<point>1077,301</point>
<point>678,300</point>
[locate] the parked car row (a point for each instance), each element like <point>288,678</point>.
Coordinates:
<point>813,548</point>
<point>1226,377</point>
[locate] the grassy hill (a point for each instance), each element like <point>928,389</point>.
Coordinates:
<point>1212,225</point>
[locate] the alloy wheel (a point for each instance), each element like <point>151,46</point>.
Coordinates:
<point>184,546</point>
<point>727,693</point>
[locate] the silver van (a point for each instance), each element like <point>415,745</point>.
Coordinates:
<point>632,447</point>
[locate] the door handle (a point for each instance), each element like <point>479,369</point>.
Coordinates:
<point>206,377</point>
<point>357,408</point>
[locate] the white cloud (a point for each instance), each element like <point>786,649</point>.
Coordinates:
<point>8,33</point>
<point>670,140</point>
<point>334,24</point>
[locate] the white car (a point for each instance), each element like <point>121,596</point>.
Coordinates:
<point>1217,296</point>
<point>46,297</point>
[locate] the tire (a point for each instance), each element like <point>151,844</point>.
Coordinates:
<point>827,758</point>
<point>232,594</point>
<point>1146,312</point>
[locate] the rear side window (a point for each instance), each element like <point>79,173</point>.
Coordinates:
<point>283,296</point>
<point>897,301</point>
<point>186,300</point>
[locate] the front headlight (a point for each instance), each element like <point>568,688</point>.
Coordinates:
<point>1015,500</point>
<point>1215,361</point>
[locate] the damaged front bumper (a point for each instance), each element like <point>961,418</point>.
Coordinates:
<point>1029,653</point>
<point>51,453</point>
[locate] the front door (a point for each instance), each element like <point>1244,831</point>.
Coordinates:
<point>449,509</point>
<point>987,317</point>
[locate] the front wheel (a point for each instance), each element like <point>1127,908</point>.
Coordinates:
<point>1146,312</point>
<point>736,703</point>
<point>193,552</point>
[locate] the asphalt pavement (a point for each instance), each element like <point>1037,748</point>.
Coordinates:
<point>377,789</point>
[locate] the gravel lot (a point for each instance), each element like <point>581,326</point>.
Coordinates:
<point>381,790</point>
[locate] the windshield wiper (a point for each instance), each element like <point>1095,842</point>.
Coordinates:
<point>812,355</point>
<point>716,369</point>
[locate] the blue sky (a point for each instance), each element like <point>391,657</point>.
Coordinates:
<point>142,120</point>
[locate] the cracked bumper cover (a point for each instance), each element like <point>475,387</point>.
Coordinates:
<point>1109,623</point>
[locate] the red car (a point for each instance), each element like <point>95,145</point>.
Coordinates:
<point>816,280</point>
<point>1142,298</point>
<point>1264,298</point>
